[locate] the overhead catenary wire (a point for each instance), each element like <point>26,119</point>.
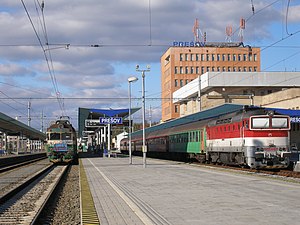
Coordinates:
<point>124,45</point>
<point>50,68</point>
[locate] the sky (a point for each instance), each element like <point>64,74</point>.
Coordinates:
<point>61,55</point>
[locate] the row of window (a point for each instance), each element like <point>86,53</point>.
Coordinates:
<point>217,57</point>
<point>193,136</point>
<point>203,69</point>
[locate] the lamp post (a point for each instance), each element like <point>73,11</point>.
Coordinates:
<point>130,80</point>
<point>144,148</point>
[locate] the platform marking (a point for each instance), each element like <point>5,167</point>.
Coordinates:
<point>144,218</point>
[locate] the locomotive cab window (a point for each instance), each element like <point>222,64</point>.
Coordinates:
<point>260,123</point>
<point>280,122</point>
<point>54,136</point>
<point>66,136</point>
<point>269,122</point>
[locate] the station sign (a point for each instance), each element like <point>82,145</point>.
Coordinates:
<point>188,44</point>
<point>110,120</point>
<point>92,123</point>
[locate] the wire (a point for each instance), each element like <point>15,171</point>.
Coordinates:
<point>50,68</point>
<point>150,24</point>
<point>286,17</point>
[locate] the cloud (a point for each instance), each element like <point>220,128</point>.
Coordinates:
<point>9,69</point>
<point>105,39</point>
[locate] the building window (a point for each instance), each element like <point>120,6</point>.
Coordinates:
<point>212,57</point>
<point>245,69</point>
<point>223,57</point>
<point>192,57</point>
<point>207,57</point>
<point>229,68</point>
<point>254,68</point>
<point>202,57</point>
<point>197,57</point>
<point>234,57</point>
<point>224,69</point>
<point>218,69</point>
<point>245,57</point>
<point>181,70</point>
<point>197,69</point>
<point>239,69</point>
<point>186,57</point>
<point>176,109</point>
<point>239,57</point>
<point>186,70</point>
<point>181,57</point>
<point>202,69</point>
<point>255,57</point>
<point>228,57</point>
<point>250,57</point>
<point>192,70</point>
<point>250,69</point>
<point>218,57</point>
<point>176,83</point>
<point>207,69</point>
<point>186,81</point>
<point>234,69</point>
<point>181,83</point>
<point>176,70</point>
<point>213,69</point>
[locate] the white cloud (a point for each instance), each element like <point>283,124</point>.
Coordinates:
<point>121,28</point>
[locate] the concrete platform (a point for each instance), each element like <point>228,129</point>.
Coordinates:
<point>174,193</point>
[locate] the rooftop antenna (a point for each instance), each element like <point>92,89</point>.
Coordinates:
<point>228,32</point>
<point>198,35</point>
<point>242,28</point>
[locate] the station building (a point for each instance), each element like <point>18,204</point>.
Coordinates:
<point>181,64</point>
<point>265,89</point>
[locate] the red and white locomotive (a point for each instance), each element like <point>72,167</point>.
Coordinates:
<point>254,138</point>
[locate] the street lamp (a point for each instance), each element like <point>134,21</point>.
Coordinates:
<point>130,80</point>
<point>144,149</point>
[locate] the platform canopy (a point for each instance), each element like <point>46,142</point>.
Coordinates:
<point>14,127</point>
<point>85,114</point>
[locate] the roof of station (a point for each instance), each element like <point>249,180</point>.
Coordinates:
<point>85,113</point>
<point>15,127</point>
<point>211,80</point>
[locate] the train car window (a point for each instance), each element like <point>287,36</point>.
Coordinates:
<point>66,136</point>
<point>280,122</point>
<point>54,136</point>
<point>260,123</point>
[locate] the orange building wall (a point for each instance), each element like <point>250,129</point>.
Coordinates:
<point>176,59</point>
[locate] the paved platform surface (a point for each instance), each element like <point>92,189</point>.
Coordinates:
<point>174,193</point>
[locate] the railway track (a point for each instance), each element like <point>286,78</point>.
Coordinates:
<point>20,164</point>
<point>18,177</point>
<point>25,206</point>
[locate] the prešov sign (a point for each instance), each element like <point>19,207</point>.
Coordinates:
<point>111,120</point>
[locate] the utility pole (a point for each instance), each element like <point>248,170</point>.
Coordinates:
<point>29,118</point>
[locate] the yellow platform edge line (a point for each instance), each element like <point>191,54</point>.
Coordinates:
<point>87,202</point>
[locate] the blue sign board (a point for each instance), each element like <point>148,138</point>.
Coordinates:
<point>188,44</point>
<point>111,120</point>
